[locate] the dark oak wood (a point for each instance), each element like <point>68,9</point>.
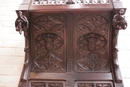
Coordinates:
<point>70,43</point>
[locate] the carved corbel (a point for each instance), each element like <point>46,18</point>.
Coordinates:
<point>21,23</point>
<point>119,21</point>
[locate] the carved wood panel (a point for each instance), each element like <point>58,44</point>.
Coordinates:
<point>46,84</point>
<point>92,42</point>
<point>39,83</point>
<point>94,85</point>
<point>49,42</point>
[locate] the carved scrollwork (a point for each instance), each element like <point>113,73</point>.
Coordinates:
<point>21,22</point>
<point>119,21</point>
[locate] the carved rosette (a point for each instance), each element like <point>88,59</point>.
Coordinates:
<point>92,42</point>
<point>21,23</point>
<point>49,43</point>
<point>119,21</point>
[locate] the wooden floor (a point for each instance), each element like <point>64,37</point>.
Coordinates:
<point>12,44</point>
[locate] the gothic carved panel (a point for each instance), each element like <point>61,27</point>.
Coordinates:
<point>92,42</point>
<point>94,85</point>
<point>49,43</point>
<point>46,84</point>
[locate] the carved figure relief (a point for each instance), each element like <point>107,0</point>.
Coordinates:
<point>92,37</point>
<point>92,60</point>
<point>46,84</point>
<point>94,85</point>
<point>49,43</point>
<point>119,21</point>
<point>21,22</point>
<point>49,58</point>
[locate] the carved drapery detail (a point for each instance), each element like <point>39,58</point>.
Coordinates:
<point>92,46</point>
<point>21,22</point>
<point>94,85</point>
<point>46,84</point>
<point>119,21</point>
<point>49,43</point>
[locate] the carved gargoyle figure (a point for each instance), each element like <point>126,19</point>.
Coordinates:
<point>21,22</point>
<point>119,21</point>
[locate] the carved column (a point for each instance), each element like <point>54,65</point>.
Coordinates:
<point>22,24</point>
<point>119,23</point>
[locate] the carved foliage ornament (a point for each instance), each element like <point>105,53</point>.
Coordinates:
<point>92,53</point>
<point>92,60</point>
<point>119,21</point>
<point>21,22</point>
<point>46,84</point>
<point>94,85</point>
<point>48,42</point>
<point>48,59</point>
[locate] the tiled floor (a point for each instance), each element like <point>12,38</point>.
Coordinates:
<point>11,46</point>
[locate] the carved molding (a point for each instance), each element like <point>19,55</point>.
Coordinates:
<point>119,21</point>
<point>70,83</point>
<point>119,85</point>
<point>22,84</point>
<point>21,23</point>
<point>70,41</point>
